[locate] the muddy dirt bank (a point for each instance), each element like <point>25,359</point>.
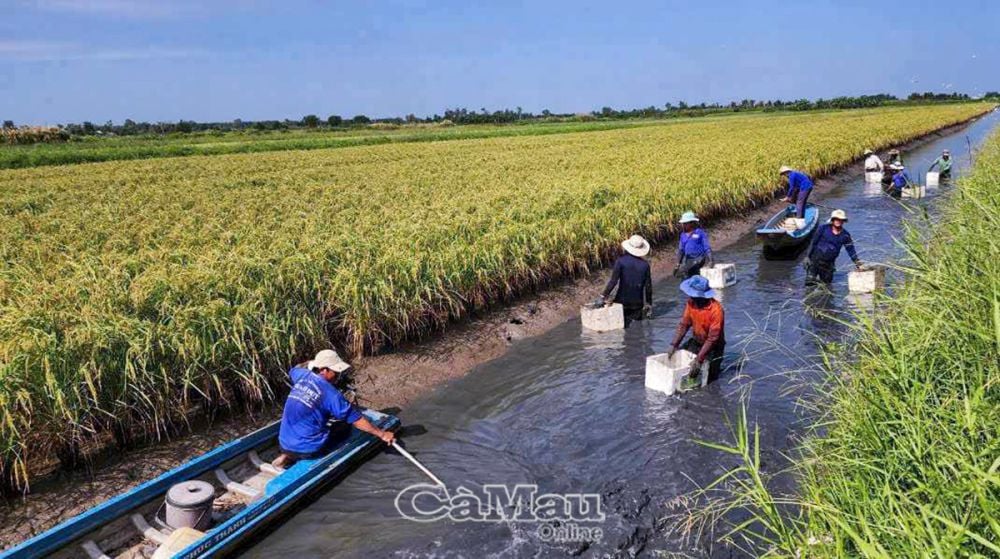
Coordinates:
<point>411,371</point>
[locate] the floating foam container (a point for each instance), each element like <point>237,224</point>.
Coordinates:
<point>603,319</point>
<point>869,280</point>
<point>666,374</point>
<point>873,176</point>
<point>178,540</point>
<point>793,223</point>
<point>720,275</point>
<point>916,192</point>
<point>933,178</point>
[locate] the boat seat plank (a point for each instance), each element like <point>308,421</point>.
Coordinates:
<point>263,466</point>
<point>234,486</point>
<point>93,551</point>
<point>146,530</point>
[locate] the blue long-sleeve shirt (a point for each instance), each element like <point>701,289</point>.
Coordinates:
<point>900,179</point>
<point>634,279</point>
<point>694,244</point>
<point>310,405</point>
<point>826,245</point>
<point>798,182</point>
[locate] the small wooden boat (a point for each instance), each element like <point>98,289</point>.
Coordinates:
<point>250,494</point>
<point>784,235</point>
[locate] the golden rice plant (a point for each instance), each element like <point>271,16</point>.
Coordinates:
<point>131,293</point>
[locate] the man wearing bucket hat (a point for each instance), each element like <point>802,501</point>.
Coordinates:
<point>900,180</point>
<point>706,319</point>
<point>825,248</point>
<point>311,404</point>
<point>693,251</point>
<point>634,280</point>
<point>943,164</point>
<point>799,188</point>
<point>873,164</point>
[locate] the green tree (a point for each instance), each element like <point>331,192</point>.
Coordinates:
<point>310,121</point>
<point>335,120</point>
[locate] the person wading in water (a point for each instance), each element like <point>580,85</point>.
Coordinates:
<point>634,280</point>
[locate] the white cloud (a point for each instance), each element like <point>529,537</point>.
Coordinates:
<point>52,51</point>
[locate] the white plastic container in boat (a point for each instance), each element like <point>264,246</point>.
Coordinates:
<point>868,280</point>
<point>916,191</point>
<point>873,176</point>
<point>720,275</point>
<point>666,374</point>
<point>602,319</point>
<point>176,542</point>
<point>933,178</point>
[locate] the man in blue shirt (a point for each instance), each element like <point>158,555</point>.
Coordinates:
<point>825,248</point>
<point>799,188</point>
<point>634,280</point>
<point>311,404</point>
<point>693,251</point>
<point>900,180</point>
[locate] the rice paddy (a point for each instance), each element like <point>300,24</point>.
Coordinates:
<point>134,292</point>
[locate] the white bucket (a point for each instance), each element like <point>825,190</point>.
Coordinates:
<point>933,178</point>
<point>916,191</point>
<point>720,275</point>
<point>603,319</point>
<point>666,374</point>
<point>869,280</point>
<point>873,176</point>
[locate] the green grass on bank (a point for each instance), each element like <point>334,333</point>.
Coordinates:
<point>906,460</point>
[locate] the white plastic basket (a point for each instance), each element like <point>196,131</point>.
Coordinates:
<point>869,280</point>
<point>720,275</point>
<point>873,176</point>
<point>601,318</point>
<point>933,178</point>
<point>666,374</point>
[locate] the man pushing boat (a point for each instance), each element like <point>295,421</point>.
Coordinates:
<point>313,401</point>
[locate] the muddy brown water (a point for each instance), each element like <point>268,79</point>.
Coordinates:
<point>568,411</point>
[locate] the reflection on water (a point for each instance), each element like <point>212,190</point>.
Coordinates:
<point>568,411</point>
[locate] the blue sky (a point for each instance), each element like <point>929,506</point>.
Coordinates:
<point>75,60</point>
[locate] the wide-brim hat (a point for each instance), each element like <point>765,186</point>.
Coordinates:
<point>946,152</point>
<point>636,246</point>
<point>697,286</point>
<point>328,359</point>
<point>897,166</point>
<point>784,169</point>
<point>688,217</point>
<point>868,152</point>
<point>838,214</point>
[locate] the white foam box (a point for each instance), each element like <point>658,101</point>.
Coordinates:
<point>933,179</point>
<point>666,374</point>
<point>873,176</point>
<point>603,319</point>
<point>720,275</point>
<point>915,192</point>
<point>868,280</point>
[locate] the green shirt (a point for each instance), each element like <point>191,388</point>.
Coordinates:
<point>943,165</point>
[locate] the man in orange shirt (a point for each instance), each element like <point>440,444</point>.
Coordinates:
<point>705,317</point>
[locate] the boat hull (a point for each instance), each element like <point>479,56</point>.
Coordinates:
<point>781,243</point>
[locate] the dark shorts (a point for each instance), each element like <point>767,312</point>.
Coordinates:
<point>690,266</point>
<point>714,357</point>
<point>820,270</point>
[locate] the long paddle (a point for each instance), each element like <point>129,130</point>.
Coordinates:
<point>423,469</point>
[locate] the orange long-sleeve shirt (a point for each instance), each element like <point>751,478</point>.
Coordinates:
<point>708,325</point>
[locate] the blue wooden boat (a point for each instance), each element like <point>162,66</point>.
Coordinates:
<point>781,239</point>
<point>250,495</point>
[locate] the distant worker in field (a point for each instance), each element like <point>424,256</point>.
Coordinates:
<point>825,248</point>
<point>873,164</point>
<point>894,157</point>
<point>900,180</point>
<point>799,188</point>
<point>312,403</point>
<point>943,165</point>
<point>634,280</point>
<point>706,320</point>
<point>694,250</point>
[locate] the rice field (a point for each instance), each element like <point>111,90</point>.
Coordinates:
<point>134,292</point>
